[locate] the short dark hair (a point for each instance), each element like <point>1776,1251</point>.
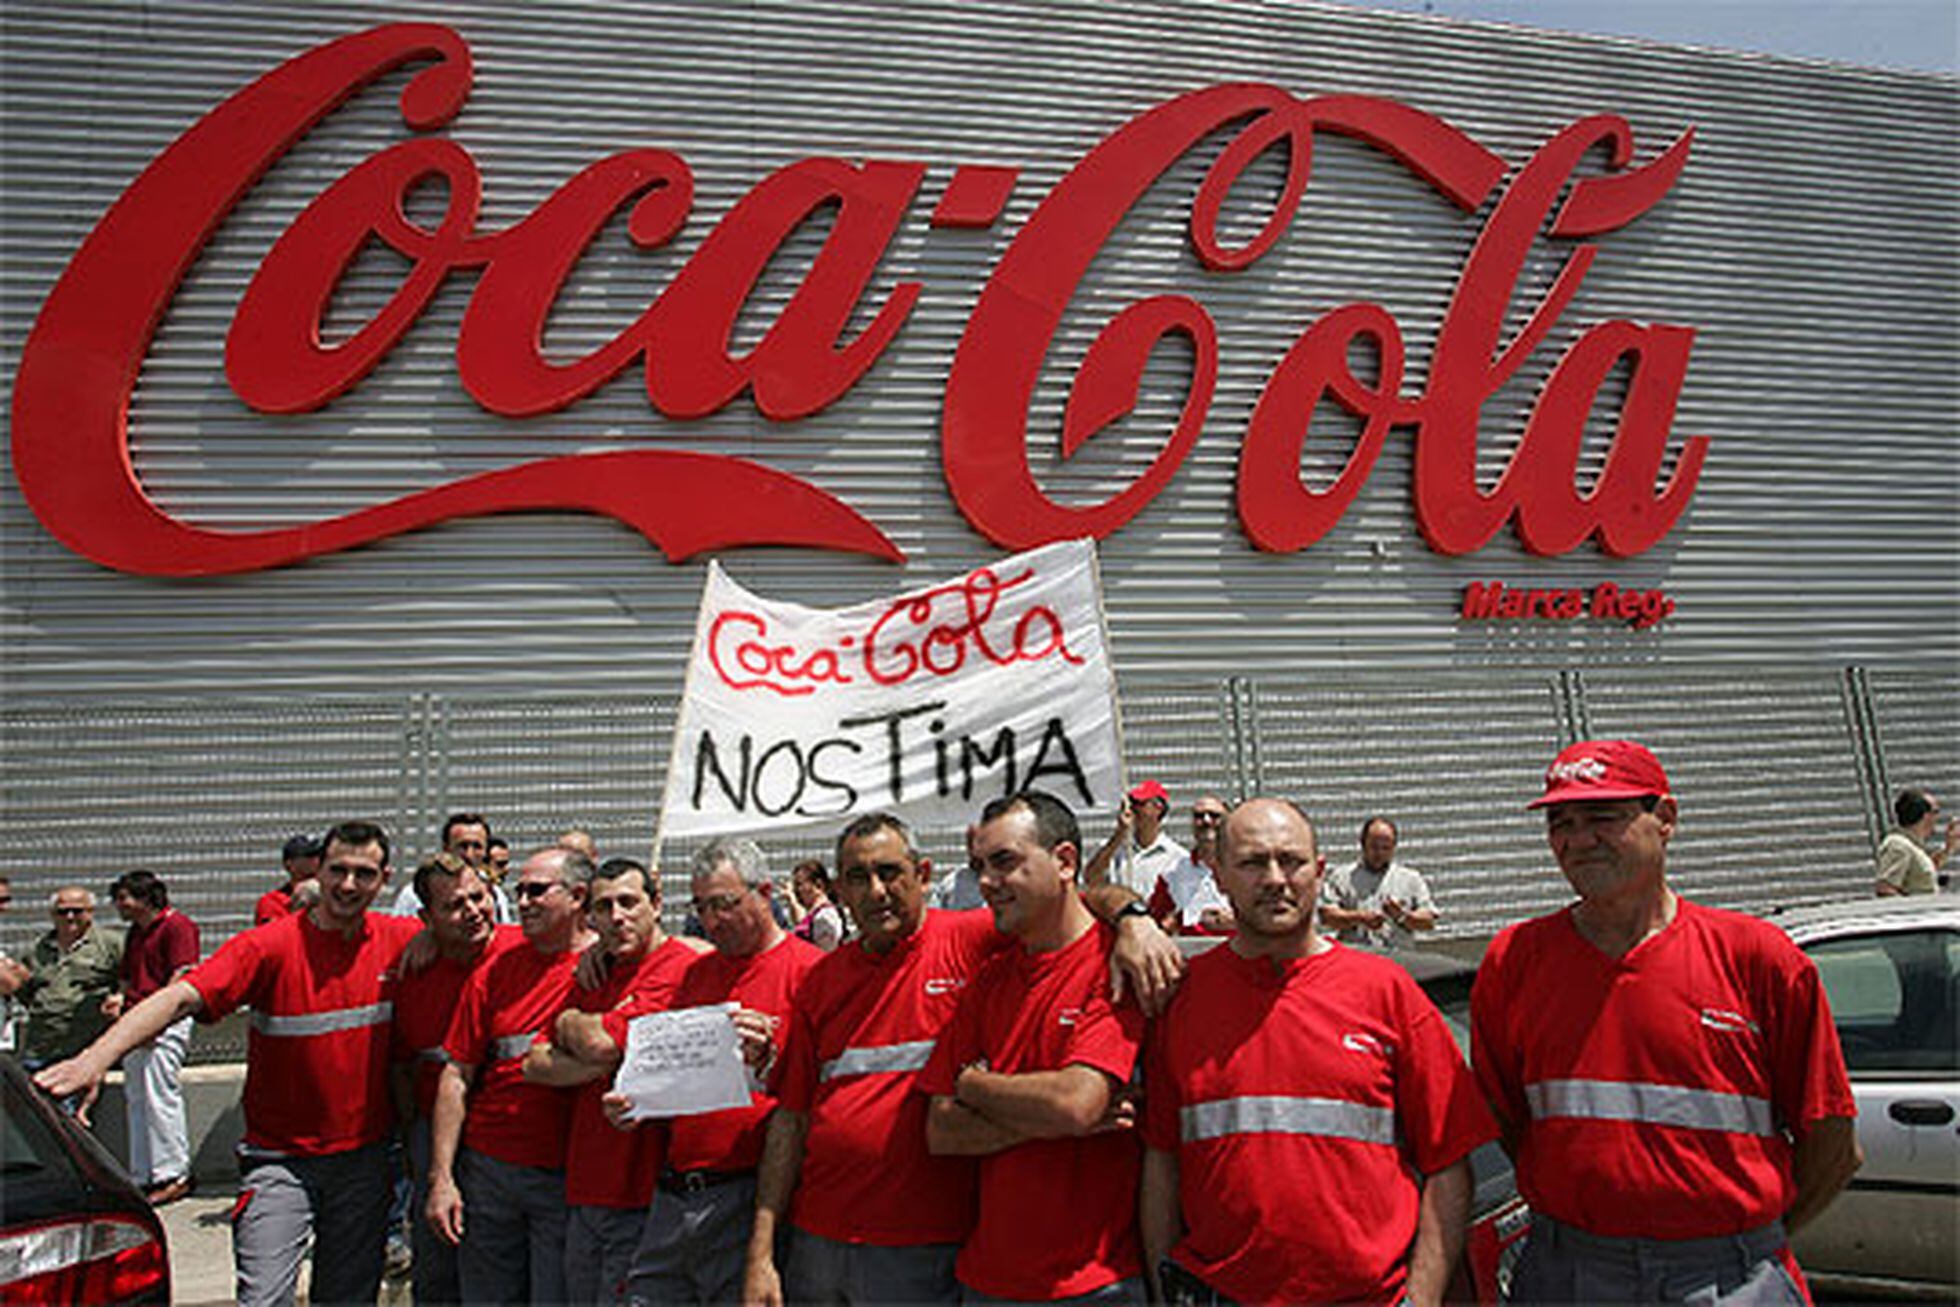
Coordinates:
<point>354,834</point>
<point>436,864</point>
<point>868,825</point>
<point>1054,821</point>
<point>455,819</point>
<point>614,868</point>
<point>1383,821</point>
<point>496,842</point>
<point>144,886</point>
<point>813,868</point>
<point>1911,806</point>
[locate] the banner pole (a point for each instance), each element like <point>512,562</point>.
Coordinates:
<point>1109,665</point>
<point>675,743</point>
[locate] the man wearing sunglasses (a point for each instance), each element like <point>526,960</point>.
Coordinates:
<point>72,971</point>
<point>497,1142</point>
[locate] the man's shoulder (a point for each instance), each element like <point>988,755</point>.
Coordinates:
<point>1740,933</point>
<point>1521,942</point>
<point>1403,871</point>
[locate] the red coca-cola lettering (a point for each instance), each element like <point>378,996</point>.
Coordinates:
<point>892,658</point>
<point>743,658</point>
<point>79,366</point>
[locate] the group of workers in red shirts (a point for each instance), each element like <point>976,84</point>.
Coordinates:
<point>1037,1100</point>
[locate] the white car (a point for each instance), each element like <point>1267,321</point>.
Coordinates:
<point>1892,970</point>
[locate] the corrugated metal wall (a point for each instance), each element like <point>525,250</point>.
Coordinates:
<point>1811,241</point>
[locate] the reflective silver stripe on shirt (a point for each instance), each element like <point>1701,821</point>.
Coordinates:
<point>322,1023</point>
<point>511,1046</point>
<point>1276,1114</point>
<point>438,1054</point>
<point>1675,1105</point>
<point>873,1061</point>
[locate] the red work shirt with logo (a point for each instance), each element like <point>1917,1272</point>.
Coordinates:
<point>502,1007</point>
<point>1056,1217</point>
<point>425,1002</point>
<point>766,982</point>
<point>864,1026</point>
<point>606,1166</point>
<point>1304,1099</point>
<point>316,1060</point>
<point>153,954</point>
<point>1654,1090</point>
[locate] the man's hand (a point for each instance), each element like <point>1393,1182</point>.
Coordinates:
<point>757,1032</point>
<point>762,1286</point>
<point>444,1211</point>
<point>1146,961</point>
<point>1121,1114</point>
<point>80,1072</point>
<point>616,1106</point>
<point>112,1006</point>
<point>1218,920</point>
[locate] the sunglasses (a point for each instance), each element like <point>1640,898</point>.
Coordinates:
<point>72,912</point>
<point>536,889</point>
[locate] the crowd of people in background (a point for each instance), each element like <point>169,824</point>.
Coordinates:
<point>1001,1081</point>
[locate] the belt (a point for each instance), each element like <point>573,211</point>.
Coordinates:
<point>695,1182</point>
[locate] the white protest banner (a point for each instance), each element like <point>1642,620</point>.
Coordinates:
<point>930,703</point>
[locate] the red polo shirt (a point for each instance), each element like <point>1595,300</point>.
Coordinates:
<point>1302,1100</point>
<point>1057,1217</point>
<point>767,982</point>
<point>1654,1090</point>
<point>864,1026</point>
<point>502,1007</point>
<point>425,1001</point>
<point>316,1063</point>
<point>152,956</point>
<point>606,1166</point>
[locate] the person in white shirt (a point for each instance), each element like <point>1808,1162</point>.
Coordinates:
<point>1138,851</point>
<point>1377,900</point>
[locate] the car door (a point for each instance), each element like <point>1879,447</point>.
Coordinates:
<point>1892,995</point>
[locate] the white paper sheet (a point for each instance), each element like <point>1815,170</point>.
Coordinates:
<point>682,1062</point>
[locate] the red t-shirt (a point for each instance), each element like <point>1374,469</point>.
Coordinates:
<point>316,1063</point>
<point>152,956</point>
<point>272,905</point>
<point>1654,1091</point>
<point>606,1166</point>
<point>767,982</point>
<point>424,1003</point>
<point>501,1009</point>
<point>1302,1100</point>
<point>1056,1217</point>
<point>863,1028</point>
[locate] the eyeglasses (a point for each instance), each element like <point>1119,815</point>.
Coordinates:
<point>536,889</point>
<point>719,903</point>
<point>1206,818</point>
<point>72,912</point>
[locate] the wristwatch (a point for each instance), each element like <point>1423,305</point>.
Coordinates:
<point>1134,908</point>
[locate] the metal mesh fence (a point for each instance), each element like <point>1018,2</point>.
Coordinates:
<point>1783,776</point>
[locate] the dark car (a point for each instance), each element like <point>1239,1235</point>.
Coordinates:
<point>73,1228</point>
<point>1499,1218</point>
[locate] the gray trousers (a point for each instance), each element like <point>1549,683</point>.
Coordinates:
<point>1122,1293</point>
<point>513,1231</point>
<point>824,1271</point>
<point>1563,1264</point>
<point>340,1201</point>
<point>599,1246</point>
<point>434,1275</point>
<point>694,1246</point>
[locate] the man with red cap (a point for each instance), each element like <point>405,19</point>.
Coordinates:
<point>1667,1075</point>
<point>1139,851</point>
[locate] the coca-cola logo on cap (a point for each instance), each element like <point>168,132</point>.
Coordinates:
<point>80,364</point>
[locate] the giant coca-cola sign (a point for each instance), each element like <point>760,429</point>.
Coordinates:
<point>81,362</point>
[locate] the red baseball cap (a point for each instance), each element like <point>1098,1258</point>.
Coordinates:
<point>1602,769</point>
<point>1150,790</point>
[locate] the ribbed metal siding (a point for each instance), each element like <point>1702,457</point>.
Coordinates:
<point>1811,242</point>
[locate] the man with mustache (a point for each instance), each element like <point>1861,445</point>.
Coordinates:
<point>1308,1116</point>
<point>1667,1075</point>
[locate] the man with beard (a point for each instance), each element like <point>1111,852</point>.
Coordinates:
<point>1309,1118</point>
